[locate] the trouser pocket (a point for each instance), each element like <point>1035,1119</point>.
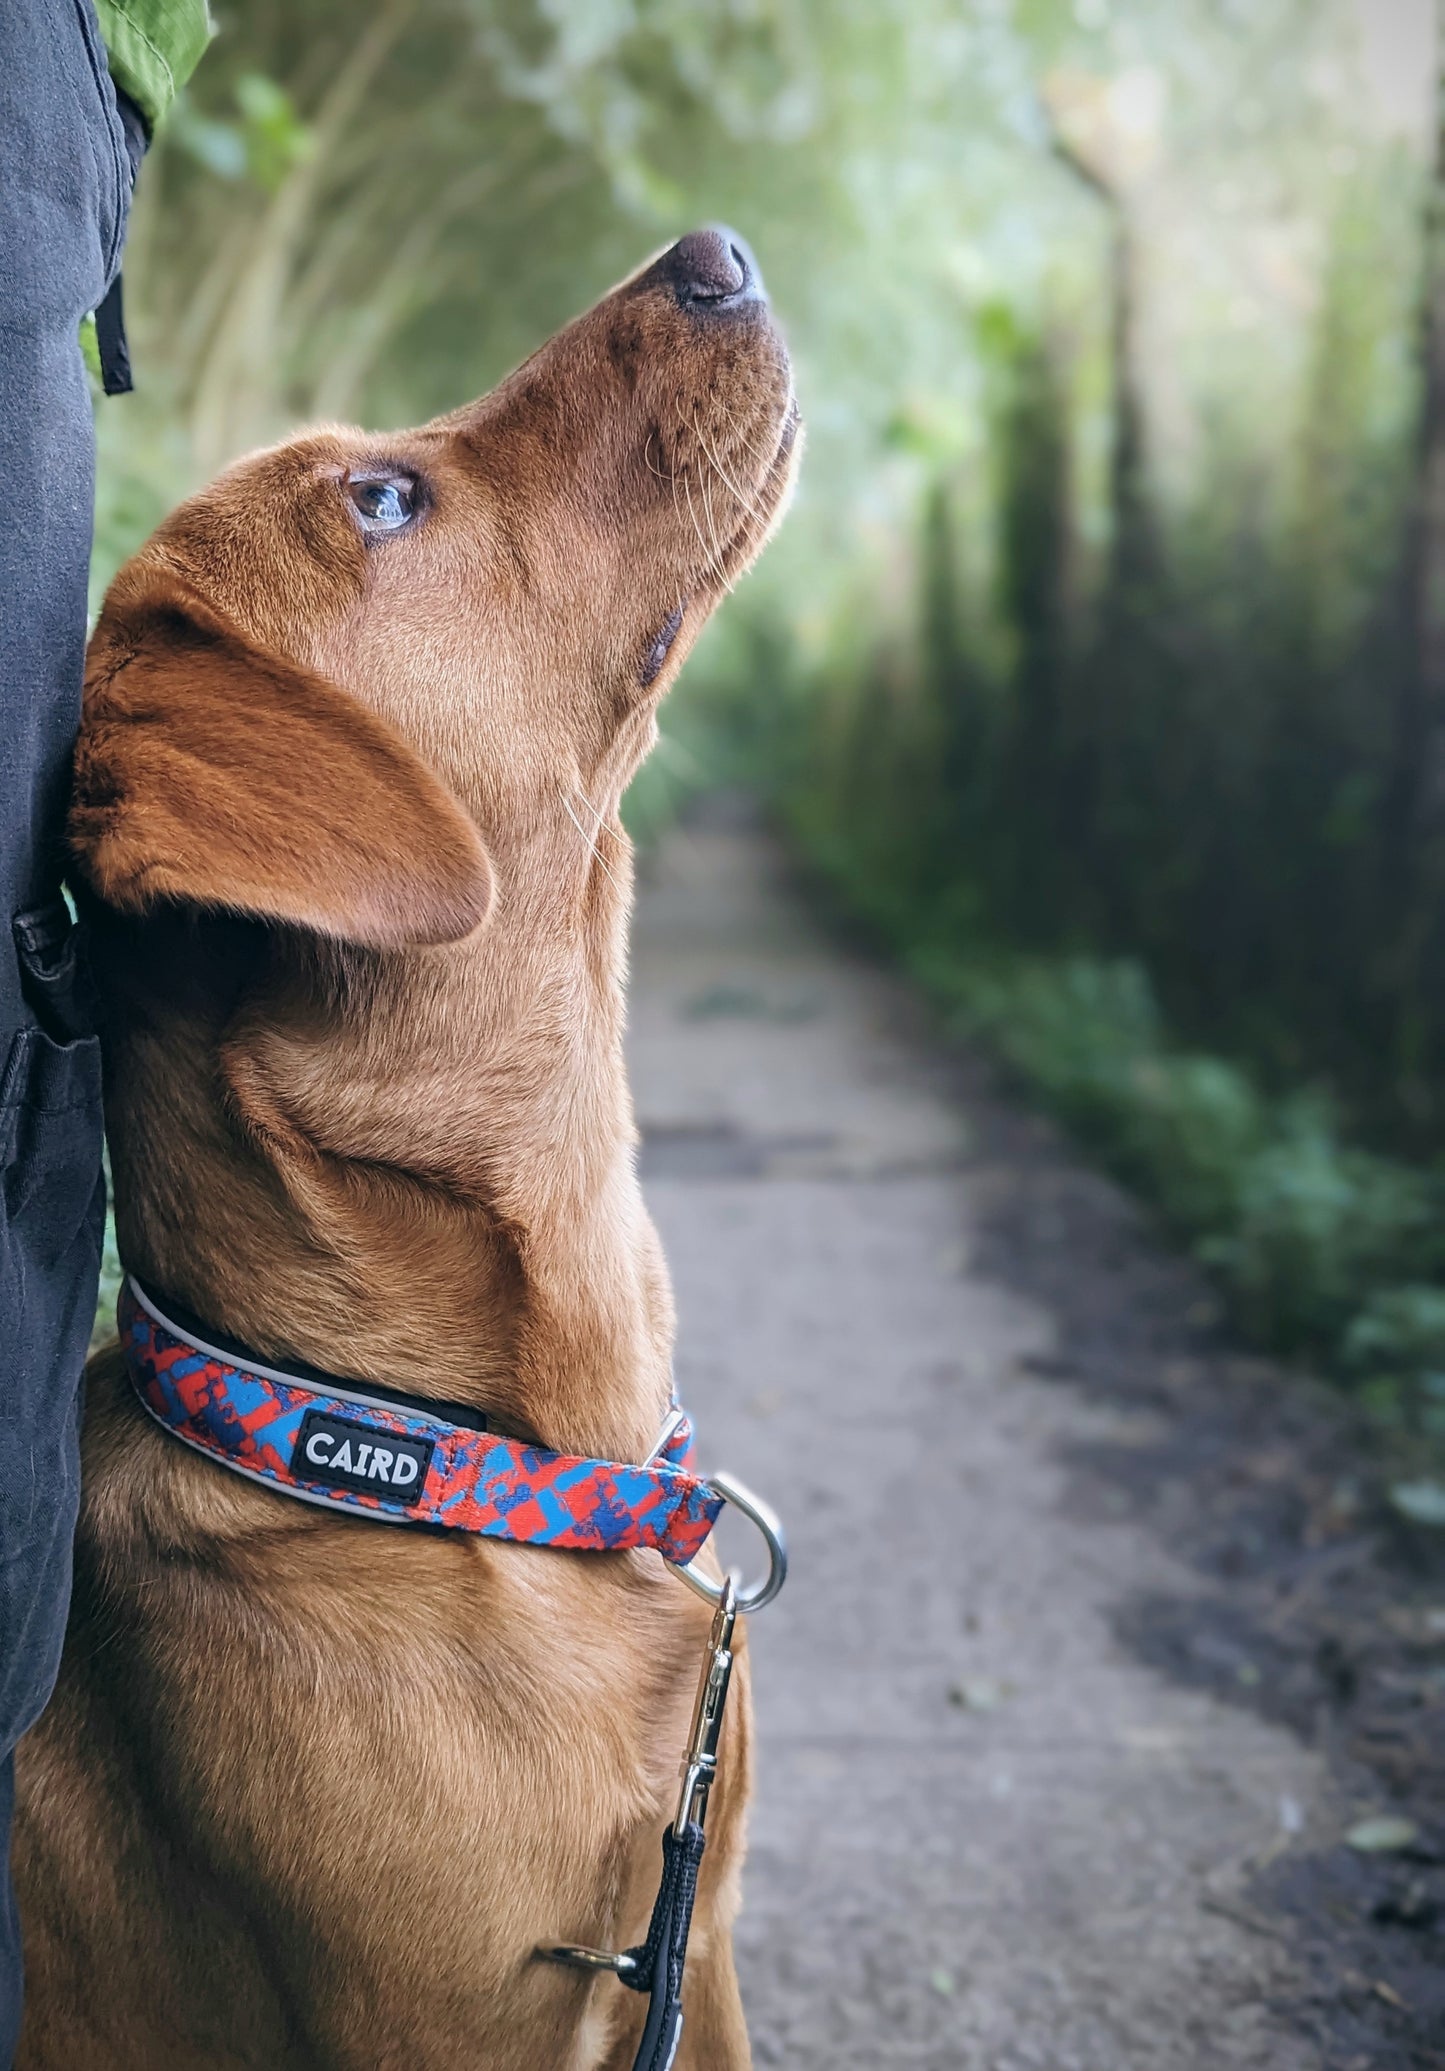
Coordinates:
<point>50,1236</point>
<point>50,1135</point>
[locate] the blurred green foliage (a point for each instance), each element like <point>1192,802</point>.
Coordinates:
<point>1085,663</point>
<point>1321,1248</point>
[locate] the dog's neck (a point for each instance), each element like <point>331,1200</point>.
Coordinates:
<point>412,1168</point>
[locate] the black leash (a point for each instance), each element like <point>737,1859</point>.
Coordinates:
<point>656,1966</point>
<point>661,1958</point>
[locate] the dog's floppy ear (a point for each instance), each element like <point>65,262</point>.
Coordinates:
<point>211,771</point>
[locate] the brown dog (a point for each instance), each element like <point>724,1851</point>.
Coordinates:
<point>311,1789</point>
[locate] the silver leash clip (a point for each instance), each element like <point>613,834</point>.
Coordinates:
<point>699,1766</point>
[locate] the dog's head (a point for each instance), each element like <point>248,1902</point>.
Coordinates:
<point>353,666</point>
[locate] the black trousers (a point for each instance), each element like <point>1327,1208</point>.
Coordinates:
<point>64,191</point>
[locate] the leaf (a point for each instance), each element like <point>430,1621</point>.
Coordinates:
<point>1385,1834</point>
<point>979,1693</point>
<point>275,136</point>
<point>1421,1502</point>
<point>219,146</point>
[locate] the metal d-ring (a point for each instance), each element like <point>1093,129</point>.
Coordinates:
<point>757,1510</point>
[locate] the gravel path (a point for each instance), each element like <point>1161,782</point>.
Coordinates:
<point>985,1835</point>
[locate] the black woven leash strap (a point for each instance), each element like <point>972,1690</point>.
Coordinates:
<point>658,1963</point>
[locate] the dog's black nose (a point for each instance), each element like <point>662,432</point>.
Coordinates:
<point>712,269</point>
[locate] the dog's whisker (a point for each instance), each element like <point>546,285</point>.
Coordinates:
<point>719,552</point>
<point>598,820</point>
<point>676,506</point>
<point>710,567</point>
<point>677,513</point>
<point>761,459</point>
<point>705,490</point>
<point>697,529</point>
<point>587,842</point>
<point>663,475</point>
<point>748,503</point>
<point>603,823</point>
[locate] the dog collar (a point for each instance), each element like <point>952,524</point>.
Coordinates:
<point>399,1459</point>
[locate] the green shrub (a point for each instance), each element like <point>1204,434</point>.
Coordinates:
<point>1320,1231</point>
<point>1317,1245</point>
<point>1395,1349</point>
<point>1402,1329</point>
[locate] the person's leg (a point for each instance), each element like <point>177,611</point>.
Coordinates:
<point>63,188</point>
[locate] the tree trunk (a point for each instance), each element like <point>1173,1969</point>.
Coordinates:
<point>1412,833</point>
<point>1425,563</point>
<point>1133,553</point>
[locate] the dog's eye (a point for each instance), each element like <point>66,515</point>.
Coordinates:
<point>384,503</point>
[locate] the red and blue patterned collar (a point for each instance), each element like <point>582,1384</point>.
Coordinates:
<point>395,1458</point>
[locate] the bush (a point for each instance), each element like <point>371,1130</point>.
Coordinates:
<point>1320,1231</point>
<point>1317,1245</point>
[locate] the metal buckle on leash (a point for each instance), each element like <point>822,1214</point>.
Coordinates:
<point>766,1520</point>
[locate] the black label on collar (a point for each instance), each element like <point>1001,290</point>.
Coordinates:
<point>344,1455</point>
